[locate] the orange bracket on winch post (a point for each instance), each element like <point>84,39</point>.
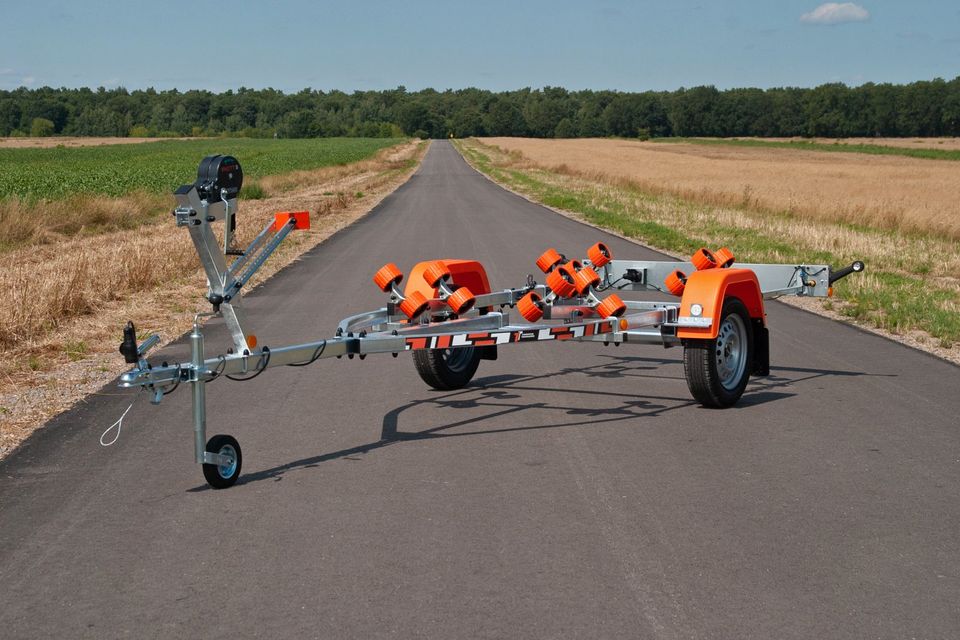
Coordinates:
<point>465,273</point>
<point>301,219</point>
<point>709,288</point>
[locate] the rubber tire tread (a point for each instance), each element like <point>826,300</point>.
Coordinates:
<point>434,370</point>
<point>700,364</point>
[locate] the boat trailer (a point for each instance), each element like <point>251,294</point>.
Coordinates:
<point>450,318</point>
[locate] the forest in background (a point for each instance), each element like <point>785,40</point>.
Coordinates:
<point>925,108</point>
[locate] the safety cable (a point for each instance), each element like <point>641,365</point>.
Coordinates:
<point>177,384</point>
<point>264,362</point>
<point>116,425</point>
<point>316,356</point>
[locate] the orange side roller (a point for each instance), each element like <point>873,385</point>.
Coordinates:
<point>560,281</point>
<point>414,305</point>
<point>530,307</point>
<point>724,257</point>
<point>387,276</point>
<point>584,279</point>
<point>703,259</point>
<point>548,260</point>
<point>599,254</point>
<point>676,282</point>
<point>611,306</point>
<point>461,300</point>
<point>435,272</point>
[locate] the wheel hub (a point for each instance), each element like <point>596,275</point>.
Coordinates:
<point>731,351</point>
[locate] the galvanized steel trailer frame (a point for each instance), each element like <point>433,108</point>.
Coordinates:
<point>486,325</point>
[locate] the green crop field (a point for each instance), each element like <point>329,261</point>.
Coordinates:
<point>159,167</point>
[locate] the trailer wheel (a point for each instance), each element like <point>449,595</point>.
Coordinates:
<point>221,476</point>
<point>717,370</point>
<point>447,369</point>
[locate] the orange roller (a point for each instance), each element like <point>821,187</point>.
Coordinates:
<point>676,282</point>
<point>584,279</point>
<point>414,305</point>
<point>611,306</point>
<point>461,300</point>
<point>387,276</point>
<point>530,307</point>
<point>435,272</point>
<point>561,282</point>
<point>724,257</point>
<point>703,259</point>
<point>599,254</point>
<point>548,260</point>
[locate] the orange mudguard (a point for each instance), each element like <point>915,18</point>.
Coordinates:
<point>466,273</point>
<point>708,288</point>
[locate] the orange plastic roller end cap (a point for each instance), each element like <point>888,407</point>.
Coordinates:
<point>548,260</point>
<point>461,300</point>
<point>387,276</point>
<point>599,254</point>
<point>703,259</point>
<point>530,307</point>
<point>414,305</point>
<point>611,307</point>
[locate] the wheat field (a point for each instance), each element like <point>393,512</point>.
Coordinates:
<point>892,192</point>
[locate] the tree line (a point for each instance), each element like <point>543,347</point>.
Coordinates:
<point>926,108</point>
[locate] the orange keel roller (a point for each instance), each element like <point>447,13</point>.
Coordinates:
<point>611,306</point>
<point>461,300</point>
<point>599,254</point>
<point>414,305</point>
<point>530,307</point>
<point>676,282</point>
<point>724,257</point>
<point>584,279</point>
<point>703,259</point>
<point>387,276</point>
<point>548,260</point>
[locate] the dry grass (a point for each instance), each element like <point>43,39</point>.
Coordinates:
<point>62,306</point>
<point>26,223</point>
<point>892,192</point>
<point>68,141</point>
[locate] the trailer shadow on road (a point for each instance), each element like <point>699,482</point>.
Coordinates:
<point>503,395</point>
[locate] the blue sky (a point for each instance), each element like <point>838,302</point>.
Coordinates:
<point>492,44</point>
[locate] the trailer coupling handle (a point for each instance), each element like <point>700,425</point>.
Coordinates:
<point>855,267</point>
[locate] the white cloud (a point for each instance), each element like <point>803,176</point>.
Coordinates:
<point>836,13</point>
<point>28,80</point>
<point>6,71</point>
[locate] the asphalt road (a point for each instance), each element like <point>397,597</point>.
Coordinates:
<point>571,491</point>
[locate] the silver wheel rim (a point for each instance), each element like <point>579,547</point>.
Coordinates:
<point>731,351</point>
<point>457,359</point>
<point>226,471</point>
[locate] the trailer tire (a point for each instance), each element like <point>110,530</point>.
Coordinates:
<point>717,370</point>
<point>447,369</point>
<point>223,476</point>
